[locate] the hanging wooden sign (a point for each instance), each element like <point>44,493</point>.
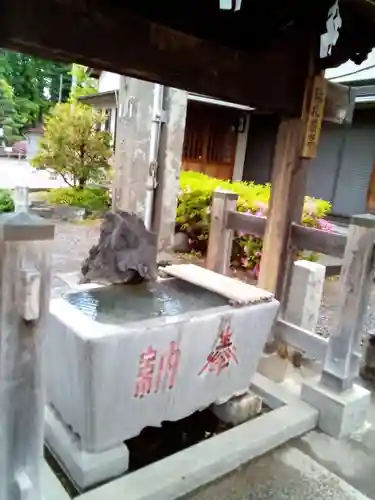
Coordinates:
<point>315,117</point>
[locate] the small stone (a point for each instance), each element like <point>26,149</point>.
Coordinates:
<point>181,243</point>
<point>239,409</point>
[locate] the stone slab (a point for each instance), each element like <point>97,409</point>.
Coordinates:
<point>85,469</point>
<point>198,465</point>
<point>284,474</point>
<point>340,414</point>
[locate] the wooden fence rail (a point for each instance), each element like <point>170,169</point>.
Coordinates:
<point>225,220</point>
<point>303,237</point>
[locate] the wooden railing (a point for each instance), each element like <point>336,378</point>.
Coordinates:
<point>357,271</point>
<point>225,219</point>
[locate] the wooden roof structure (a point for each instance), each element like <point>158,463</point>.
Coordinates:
<point>256,56</point>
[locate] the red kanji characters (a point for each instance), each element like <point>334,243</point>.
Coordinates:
<point>223,354</point>
<point>145,372</point>
<point>165,366</point>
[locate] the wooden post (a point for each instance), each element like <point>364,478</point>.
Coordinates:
<point>220,238</point>
<point>297,141</point>
<point>278,226</point>
<point>341,365</point>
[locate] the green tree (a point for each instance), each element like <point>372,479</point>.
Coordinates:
<point>35,82</point>
<point>82,83</point>
<point>9,119</point>
<point>73,145</point>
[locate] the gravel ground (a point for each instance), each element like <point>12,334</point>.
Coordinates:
<point>329,308</point>
<point>71,245</point>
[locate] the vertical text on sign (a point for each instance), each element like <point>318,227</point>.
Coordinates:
<point>224,351</point>
<point>157,372</point>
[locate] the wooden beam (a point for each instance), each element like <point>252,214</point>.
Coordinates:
<point>107,36</point>
<point>315,240</point>
<point>302,237</point>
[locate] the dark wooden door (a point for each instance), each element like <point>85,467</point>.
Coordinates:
<point>210,140</point>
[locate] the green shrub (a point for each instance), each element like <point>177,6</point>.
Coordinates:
<point>193,214</point>
<point>6,201</point>
<point>93,199</point>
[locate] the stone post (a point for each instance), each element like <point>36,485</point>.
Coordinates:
<point>21,199</point>
<point>24,301</point>
<point>168,174</point>
<point>305,294</point>
<point>133,133</point>
<point>304,299</point>
<point>343,404</point>
<point>220,240</point>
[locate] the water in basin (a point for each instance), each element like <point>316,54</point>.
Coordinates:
<point>119,304</point>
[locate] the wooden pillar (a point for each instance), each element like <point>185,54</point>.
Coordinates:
<point>296,143</point>
<point>276,237</point>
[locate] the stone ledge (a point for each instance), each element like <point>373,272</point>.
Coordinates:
<point>186,471</point>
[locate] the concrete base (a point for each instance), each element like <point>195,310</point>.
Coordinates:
<point>273,367</point>
<point>239,409</point>
<point>85,469</point>
<point>184,472</point>
<point>340,414</point>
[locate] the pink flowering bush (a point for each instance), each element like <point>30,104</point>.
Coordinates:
<point>193,215</point>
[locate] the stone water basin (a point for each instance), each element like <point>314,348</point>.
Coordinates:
<point>123,357</point>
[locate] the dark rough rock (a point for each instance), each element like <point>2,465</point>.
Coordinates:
<point>181,243</point>
<point>125,253</point>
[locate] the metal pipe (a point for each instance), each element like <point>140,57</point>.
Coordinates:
<point>154,151</point>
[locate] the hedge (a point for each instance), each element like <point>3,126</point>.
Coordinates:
<point>193,214</point>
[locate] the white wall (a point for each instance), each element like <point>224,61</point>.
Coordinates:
<point>108,81</point>
<point>33,140</point>
<point>366,71</point>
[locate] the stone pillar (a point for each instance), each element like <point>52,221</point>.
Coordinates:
<point>25,267</point>
<point>168,174</point>
<point>305,295</point>
<point>342,404</point>
<point>21,199</point>
<point>132,149</point>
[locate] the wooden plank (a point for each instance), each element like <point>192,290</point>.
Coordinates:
<point>276,238</point>
<point>303,238</point>
<point>315,116</point>
<point>110,36</point>
<point>247,223</point>
<point>234,290</point>
<point>220,239</point>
